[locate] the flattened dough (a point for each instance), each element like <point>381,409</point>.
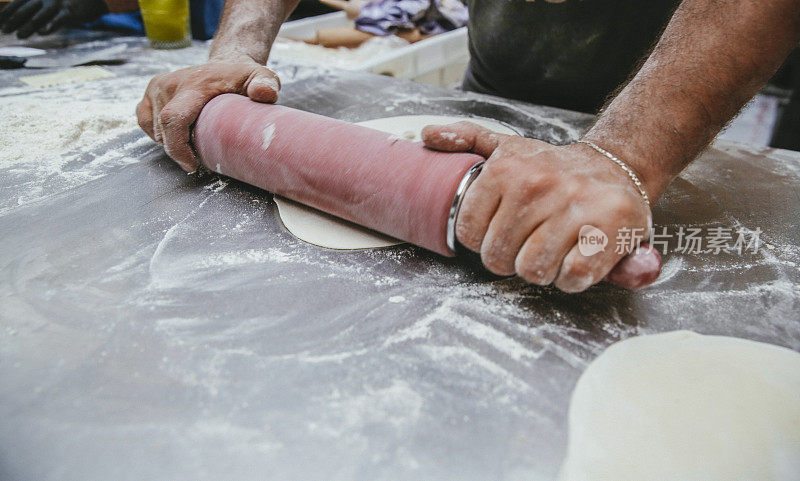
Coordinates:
<point>325,230</point>
<point>321,229</point>
<point>683,406</point>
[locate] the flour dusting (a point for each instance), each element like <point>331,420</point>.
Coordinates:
<point>37,133</point>
<point>267,135</point>
<point>59,138</point>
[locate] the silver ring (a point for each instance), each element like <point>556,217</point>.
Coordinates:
<point>468,178</point>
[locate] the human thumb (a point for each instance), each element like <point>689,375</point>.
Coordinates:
<point>263,85</point>
<point>461,137</point>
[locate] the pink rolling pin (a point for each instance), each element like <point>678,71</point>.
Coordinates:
<point>366,176</point>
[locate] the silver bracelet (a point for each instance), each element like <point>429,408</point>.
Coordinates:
<point>623,166</point>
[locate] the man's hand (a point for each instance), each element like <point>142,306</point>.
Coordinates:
<point>173,101</point>
<point>238,54</point>
<point>524,212</point>
<point>46,16</point>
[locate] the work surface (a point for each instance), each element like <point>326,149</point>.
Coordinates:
<point>163,326</point>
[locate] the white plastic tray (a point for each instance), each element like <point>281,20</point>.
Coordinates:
<point>439,60</point>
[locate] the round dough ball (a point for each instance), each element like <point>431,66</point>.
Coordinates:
<point>684,406</point>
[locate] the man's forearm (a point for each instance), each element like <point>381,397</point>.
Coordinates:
<point>247,29</point>
<point>712,58</point>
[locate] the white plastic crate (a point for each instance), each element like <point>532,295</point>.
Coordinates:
<point>439,60</point>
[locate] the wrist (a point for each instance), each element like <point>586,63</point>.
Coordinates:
<point>245,34</point>
<point>622,167</point>
<point>644,168</point>
<point>234,57</point>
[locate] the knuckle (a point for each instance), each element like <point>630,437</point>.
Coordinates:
<point>488,172</point>
<point>496,169</point>
<point>143,117</point>
<point>535,186</point>
<point>574,189</point>
<point>495,172</point>
<point>145,123</point>
<point>545,178</point>
<point>156,81</point>
<point>165,116</point>
<point>171,118</point>
<point>622,210</point>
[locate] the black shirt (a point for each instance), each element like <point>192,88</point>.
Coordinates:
<point>571,54</point>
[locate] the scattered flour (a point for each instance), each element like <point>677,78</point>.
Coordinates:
<point>61,138</point>
<point>217,186</point>
<point>37,133</point>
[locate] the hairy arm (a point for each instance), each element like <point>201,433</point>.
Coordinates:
<point>525,212</point>
<point>236,64</point>
<point>713,56</point>
<point>248,28</point>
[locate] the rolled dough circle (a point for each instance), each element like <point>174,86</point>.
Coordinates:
<point>684,406</point>
<point>324,230</point>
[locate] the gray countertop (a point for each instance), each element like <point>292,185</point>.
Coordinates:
<point>163,326</point>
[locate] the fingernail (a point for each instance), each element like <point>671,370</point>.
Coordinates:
<point>273,83</point>
<point>270,82</point>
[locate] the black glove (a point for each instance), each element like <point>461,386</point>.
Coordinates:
<point>47,16</point>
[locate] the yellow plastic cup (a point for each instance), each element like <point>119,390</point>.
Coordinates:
<point>166,23</point>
